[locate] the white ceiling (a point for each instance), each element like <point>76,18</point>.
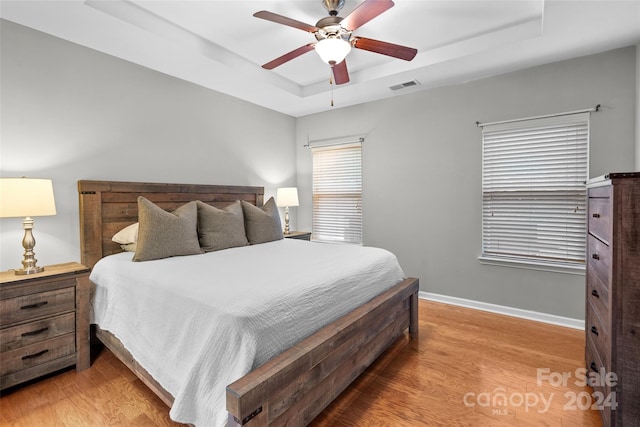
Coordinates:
<point>220,45</point>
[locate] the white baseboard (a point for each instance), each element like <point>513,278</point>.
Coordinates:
<point>502,309</point>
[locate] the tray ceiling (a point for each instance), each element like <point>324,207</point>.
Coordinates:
<point>220,45</point>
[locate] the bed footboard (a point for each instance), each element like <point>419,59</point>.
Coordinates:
<point>294,387</point>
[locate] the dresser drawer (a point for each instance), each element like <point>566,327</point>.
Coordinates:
<point>600,213</point>
<point>599,259</point>
<point>37,353</point>
<point>598,297</point>
<point>33,306</point>
<point>40,330</point>
<point>599,335</point>
<point>594,364</point>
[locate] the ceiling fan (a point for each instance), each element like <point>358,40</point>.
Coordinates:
<point>334,38</point>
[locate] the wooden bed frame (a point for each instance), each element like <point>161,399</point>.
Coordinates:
<point>292,388</point>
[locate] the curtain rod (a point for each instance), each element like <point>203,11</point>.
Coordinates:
<point>333,141</point>
<point>588,110</point>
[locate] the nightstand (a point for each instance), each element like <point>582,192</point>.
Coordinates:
<point>300,235</point>
<point>44,322</point>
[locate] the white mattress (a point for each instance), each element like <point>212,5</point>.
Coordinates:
<point>197,323</point>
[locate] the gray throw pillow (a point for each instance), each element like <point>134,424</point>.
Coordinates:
<point>221,228</point>
<point>163,234</point>
<point>262,224</point>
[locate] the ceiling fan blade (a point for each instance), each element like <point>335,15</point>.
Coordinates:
<point>340,73</point>
<point>385,48</point>
<point>288,56</point>
<point>365,12</point>
<point>279,19</point>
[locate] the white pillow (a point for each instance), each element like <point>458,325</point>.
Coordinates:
<point>127,235</point>
<point>130,247</point>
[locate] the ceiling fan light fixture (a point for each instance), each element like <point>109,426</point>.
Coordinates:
<point>333,50</point>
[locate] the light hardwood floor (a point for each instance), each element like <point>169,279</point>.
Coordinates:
<point>465,360</point>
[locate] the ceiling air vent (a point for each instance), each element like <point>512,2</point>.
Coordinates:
<point>405,84</point>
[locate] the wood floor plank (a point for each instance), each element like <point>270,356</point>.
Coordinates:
<point>461,352</point>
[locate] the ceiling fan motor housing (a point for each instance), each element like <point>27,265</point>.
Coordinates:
<point>333,6</point>
<point>330,27</point>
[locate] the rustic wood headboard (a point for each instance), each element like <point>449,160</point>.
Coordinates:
<point>108,206</point>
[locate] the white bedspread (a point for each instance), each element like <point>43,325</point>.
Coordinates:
<point>197,323</point>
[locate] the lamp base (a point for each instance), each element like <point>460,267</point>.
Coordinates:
<point>286,220</point>
<point>31,270</point>
<point>29,260</point>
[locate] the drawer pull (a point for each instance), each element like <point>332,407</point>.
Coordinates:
<point>594,330</point>
<point>595,256</point>
<point>596,215</point>
<point>33,356</point>
<point>36,332</point>
<point>595,293</point>
<point>36,305</point>
<point>593,366</point>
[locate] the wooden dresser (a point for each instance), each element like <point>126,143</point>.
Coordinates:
<point>612,321</point>
<point>44,322</point>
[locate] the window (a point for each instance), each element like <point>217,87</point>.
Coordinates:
<point>337,193</point>
<point>533,190</point>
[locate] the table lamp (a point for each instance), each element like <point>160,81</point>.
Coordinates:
<point>25,198</point>
<point>285,197</point>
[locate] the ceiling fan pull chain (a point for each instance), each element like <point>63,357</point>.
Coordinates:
<point>331,83</point>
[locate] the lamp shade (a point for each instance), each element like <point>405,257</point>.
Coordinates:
<point>287,196</point>
<point>333,49</point>
<point>25,197</point>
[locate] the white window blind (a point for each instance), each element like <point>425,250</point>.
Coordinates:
<point>533,189</point>
<point>337,193</point>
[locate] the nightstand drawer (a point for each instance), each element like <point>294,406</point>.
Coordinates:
<point>33,306</point>
<point>40,330</point>
<point>37,353</point>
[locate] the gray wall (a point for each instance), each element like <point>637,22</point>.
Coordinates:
<point>422,171</point>
<point>71,113</point>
